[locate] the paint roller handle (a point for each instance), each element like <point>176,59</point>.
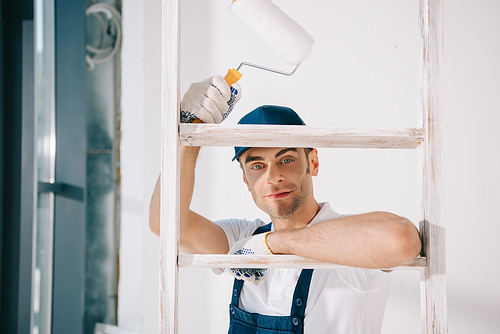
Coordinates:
<point>231,78</point>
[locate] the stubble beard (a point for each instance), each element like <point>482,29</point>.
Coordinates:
<point>283,209</point>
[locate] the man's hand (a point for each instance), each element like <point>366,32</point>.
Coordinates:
<point>211,100</point>
<point>254,245</point>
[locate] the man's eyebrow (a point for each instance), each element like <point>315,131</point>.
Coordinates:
<point>252,158</point>
<point>283,151</point>
<point>257,158</point>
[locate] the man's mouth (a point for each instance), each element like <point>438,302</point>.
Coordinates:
<point>278,195</point>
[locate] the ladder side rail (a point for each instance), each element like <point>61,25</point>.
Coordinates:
<point>432,225</point>
<point>170,166</point>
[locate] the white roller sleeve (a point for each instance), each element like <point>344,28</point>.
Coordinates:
<point>288,39</point>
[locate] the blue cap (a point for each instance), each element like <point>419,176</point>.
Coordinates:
<point>270,115</point>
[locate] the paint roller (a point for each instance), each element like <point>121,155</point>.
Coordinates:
<point>288,39</point>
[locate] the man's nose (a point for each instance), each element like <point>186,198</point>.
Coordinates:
<point>274,174</point>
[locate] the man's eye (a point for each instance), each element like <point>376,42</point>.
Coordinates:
<point>287,160</point>
<point>256,167</point>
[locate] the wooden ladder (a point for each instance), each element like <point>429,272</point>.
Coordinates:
<point>427,139</point>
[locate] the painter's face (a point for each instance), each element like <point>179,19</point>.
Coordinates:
<point>280,179</point>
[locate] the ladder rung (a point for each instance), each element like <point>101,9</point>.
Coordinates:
<point>299,136</point>
<point>268,261</point>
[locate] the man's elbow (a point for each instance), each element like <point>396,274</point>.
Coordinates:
<point>408,242</point>
<point>155,228</point>
<point>154,220</point>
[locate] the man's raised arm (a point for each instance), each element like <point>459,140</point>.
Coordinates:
<point>211,101</point>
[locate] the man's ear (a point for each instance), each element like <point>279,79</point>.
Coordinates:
<point>314,162</point>
<point>244,178</point>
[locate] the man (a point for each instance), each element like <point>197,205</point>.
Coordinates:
<point>280,181</point>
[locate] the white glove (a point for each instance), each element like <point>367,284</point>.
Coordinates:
<point>211,100</point>
<point>254,245</point>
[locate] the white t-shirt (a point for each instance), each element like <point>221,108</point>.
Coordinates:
<point>340,301</point>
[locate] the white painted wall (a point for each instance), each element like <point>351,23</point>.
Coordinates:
<point>362,72</point>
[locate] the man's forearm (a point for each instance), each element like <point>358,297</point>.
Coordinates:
<point>375,240</point>
<point>189,155</point>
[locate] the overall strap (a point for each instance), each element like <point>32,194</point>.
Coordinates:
<point>263,229</point>
<point>301,292</point>
<point>238,283</point>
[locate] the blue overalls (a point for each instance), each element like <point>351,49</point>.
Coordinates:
<point>242,322</point>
